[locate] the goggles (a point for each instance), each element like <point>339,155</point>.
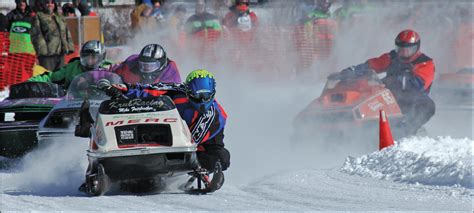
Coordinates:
<point>406,52</point>
<point>149,67</point>
<point>91,60</point>
<point>202,97</point>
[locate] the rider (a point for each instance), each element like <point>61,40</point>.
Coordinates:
<point>92,57</point>
<point>150,66</point>
<point>410,74</point>
<point>240,16</point>
<point>196,104</point>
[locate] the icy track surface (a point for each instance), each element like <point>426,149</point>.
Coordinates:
<point>419,173</point>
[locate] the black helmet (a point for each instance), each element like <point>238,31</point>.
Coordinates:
<point>92,54</point>
<point>152,59</point>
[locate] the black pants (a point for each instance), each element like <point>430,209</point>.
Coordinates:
<point>51,63</point>
<point>417,111</point>
<point>208,159</point>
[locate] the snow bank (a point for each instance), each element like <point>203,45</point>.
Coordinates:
<point>440,161</point>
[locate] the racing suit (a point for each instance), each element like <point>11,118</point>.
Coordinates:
<point>207,129</point>
<point>130,72</point>
<point>64,75</point>
<point>410,83</point>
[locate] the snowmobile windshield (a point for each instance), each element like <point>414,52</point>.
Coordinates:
<point>84,85</point>
<point>367,80</point>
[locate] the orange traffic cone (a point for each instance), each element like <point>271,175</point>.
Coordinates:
<point>385,134</point>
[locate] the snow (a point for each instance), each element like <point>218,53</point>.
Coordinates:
<point>267,172</point>
<point>418,173</point>
<point>430,161</point>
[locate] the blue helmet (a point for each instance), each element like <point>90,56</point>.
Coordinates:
<point>202,88</point>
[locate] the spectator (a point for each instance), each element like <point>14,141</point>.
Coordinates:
<point>141,18</point>
<point>68,10</point>
<point>85,9</point>
<point>240,16</point>
<point>22,12</point>
<point>202,20</point>
<point>50,36</point>
<point>320,10</point>
<point>156,11</point>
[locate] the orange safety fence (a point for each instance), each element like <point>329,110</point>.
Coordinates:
<point>265,48</point>
<point>14,67</point>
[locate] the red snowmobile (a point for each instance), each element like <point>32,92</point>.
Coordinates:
<point>348,108</point>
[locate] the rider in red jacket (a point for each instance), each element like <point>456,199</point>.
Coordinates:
<point>410,75</point>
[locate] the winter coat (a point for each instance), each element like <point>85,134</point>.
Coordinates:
<point>65,74</point>
<point>17,15</point>
<point>130,73</point>
<point>3,23</point>
<point>142,23</point>
<point>315,15</point>
<point>205,21</point>
<point>50,35</point>
<point>205,127</point>
<point>419,73</point>
<point>231,19</point>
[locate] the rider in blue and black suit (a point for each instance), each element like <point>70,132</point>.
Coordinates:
<point>205,117</point>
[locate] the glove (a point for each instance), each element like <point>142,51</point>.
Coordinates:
<point>348,73</point>
<point>116,91</point>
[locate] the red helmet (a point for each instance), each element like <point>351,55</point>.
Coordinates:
<point>407,45</point>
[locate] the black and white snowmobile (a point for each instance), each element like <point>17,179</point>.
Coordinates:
<point>58,125</point>
<point>139,143</point>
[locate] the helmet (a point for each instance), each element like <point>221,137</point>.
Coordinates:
<point>202,88</point>
<point>152,59</point>
<point>407,45</point>
<point>92,54</point>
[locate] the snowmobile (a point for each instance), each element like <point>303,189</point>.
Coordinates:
<point>347,109</point>
<point>28,102</point>
<point>138,144</point>
<point>59,124</point>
